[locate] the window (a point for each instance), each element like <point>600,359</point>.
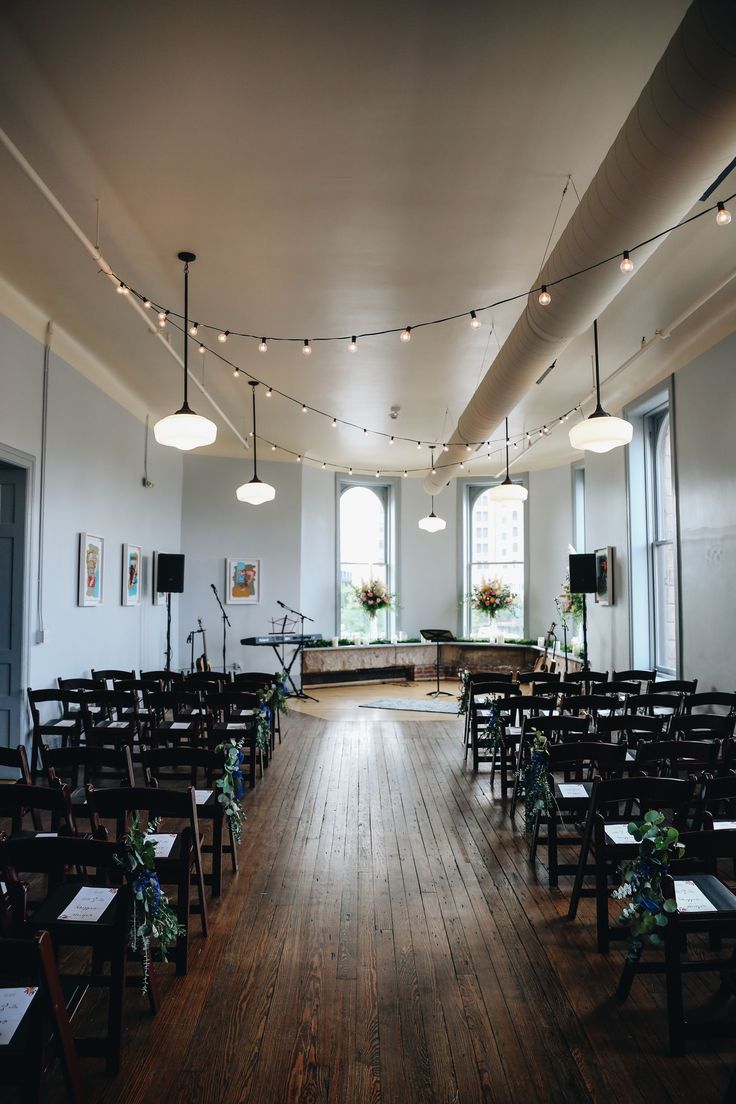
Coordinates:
<point>364,545</point>
<point>661,542</point>
<point>490,559</point>
<point>578,507</point>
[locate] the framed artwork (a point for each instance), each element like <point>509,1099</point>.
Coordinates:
<point>91,569</point>
<point>132,574</point>
<point>604,576</point>
<point>242,581</point>
<point>159,597</point>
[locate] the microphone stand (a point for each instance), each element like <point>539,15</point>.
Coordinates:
<point>225,623</point>
<point>302,617</point>
<point>168,632</point>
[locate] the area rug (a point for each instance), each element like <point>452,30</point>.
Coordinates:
<point>414,705</point>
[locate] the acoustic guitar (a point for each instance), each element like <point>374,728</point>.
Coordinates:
<point>203,663</point>
<point>542,663</point>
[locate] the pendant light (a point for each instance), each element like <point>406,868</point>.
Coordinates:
<point>600,432</point>
<point>184,429</point>
<point>431,523</point>
<point>256,491</point>
<point>508,491</point>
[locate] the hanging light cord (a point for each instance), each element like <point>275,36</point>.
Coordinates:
<point>598,406</point>
<point>254,384</point>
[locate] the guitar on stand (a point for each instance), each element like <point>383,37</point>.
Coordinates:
<point>203,663</point>
<point>543,663</point>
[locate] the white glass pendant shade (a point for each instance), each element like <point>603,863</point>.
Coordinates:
<point>185,430</point>
<point>255,492</point>
<point>431,523</point>
<point>508,492</point>
<point>601,432</point>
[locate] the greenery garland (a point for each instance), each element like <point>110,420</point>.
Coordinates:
<point>231,786</point>
<point>463,697</point>
<point>538,797</point>
<point>263,721</point>
<point>152,919</point>
<point>277,698</point>
<point>641,879</point>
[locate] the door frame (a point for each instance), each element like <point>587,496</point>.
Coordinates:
<point>28,462</point>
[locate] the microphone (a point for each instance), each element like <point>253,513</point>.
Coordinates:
<point>214,587</point>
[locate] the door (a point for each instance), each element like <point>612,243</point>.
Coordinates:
<point>12,558</point>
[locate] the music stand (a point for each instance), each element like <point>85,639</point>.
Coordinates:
<point>438,637</point>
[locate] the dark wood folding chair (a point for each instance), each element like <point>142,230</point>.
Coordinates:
<point>571,770</point>
<point>64,727</point>
<point>591,705</point>
<point>197,766</point>
<point>677,758</point>
<point>606,840</point>
<point>77,767</point>
<point>655,705</point>
<point>558,728</point>
<point>28,964</point>
<point>712,913</point>
<point>699,726</point>
<point>111,719</point>
<point>19,801</point>
<point>255,681</point>
<point>112,675</point>
<point>643,677</point>
<point>234,715</point>
<point>15,761</point>
<point>182,865</point>
<point>176,717</point>
<point>629,729</point>
<point>673,686</point>
<point>166,679</point>
<point>67,861</point>
<point>585,680</point>
<point>480,692</point>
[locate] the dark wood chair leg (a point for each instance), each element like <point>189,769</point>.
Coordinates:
<point>217,852</point>
<point>577,888</point>
<point>601,907</point>
<point>552,869</point>
<point>675,1008</point>
<point>627,978</point>
<point>118,964</point>
<point>62,1030</point>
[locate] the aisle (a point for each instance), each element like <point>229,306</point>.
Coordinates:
<point>386,941</point>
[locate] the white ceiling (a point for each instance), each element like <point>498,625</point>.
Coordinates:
<point>337,168</point>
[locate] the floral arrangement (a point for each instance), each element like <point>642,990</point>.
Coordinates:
<point>491,596</point>
<point>372,596</point>
<point>641,880</point>
<point>263,721</point>
<point>152,919</point>
<point>537,793</point>
<point>463,697</point>
<point>231,785</point>
<point>278,699</point>
<point>494,728</point>
<point>570,604</point>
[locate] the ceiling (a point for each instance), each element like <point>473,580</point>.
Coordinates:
<point>336,168</point>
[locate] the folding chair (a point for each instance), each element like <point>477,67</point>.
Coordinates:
<point>67,727</point>
<point>558,728</point>
<point>234,715</point>
<point>20,800</point>
<point>77,767</point>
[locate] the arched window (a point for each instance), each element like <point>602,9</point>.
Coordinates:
<point>364,544</point>
<point>492,556</point>
<point>662,545</point>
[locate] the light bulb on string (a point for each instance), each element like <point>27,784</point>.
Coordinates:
<point>162,317</point>
<point>377,473</point>
<point>323,465</point>
<point>202,350</point>
<point>306,347</point>
<point>147,304</point>
<point>304,409</point>
<point>263,346</point>
<point>334,423</point>
<point>544,297</point>
<point>122,289</point>
<point>405,334</point>
<point>222,336</point>
<point>467,448</point>
<point>194,329</point>
<point>462,465</point>
<point>391,441</point>
<point>298,459</point>
<point>236,373</point>
<point>405,474</point>
<point>353,344</point>
<point>474,321</point>
<point>273,448</point>
<point>269,393</point>
<point>627,265</point>
<point>350,471</point>
<point>419,444</point>
<point>723,215</point>
<point>364,431</point>
<point>445,448</point>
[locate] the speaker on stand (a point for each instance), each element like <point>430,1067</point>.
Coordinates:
<point>582,581</point>
<point>169,580</point>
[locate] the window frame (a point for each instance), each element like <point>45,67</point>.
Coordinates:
<point>471,489</point>
<point>654,421</point>
<point>391,489</point>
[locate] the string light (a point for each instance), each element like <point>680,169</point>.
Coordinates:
<point>304,409</point>
<point>350,471</point>
<point>194,329</point>
<point>298,459</point>
<point>419,444</point>
<point>405,473</point>
<point>122,289</point>
<point>723,216</point>
<point>202,350</point>
<point>462,465</point>
<point>353,344</point>
<point>405,334</point>
<point>222,336</point>
<point>162,316</point>
<point>273,448</point>
<point>263,346</point>
<point>306,347</point>
<point>377,473</point>
<point>467,448</point>
<point>323,465</point>
<point>334,423</point>
<point>474,321</point>
<point>269,393</point>
<point>627,265</point>
<point>445,448</point>
<point>147,304</point>
<point>391,441</point>
<point>544,297</point>
<point>236,373</point>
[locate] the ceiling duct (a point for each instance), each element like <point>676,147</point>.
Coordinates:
<point>676,139</point>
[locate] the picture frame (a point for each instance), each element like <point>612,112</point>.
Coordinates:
<point>132,576</point>
<point>91,570</point>
<point>604,594</point>
<point>242,581</point>
<point>157,597</point>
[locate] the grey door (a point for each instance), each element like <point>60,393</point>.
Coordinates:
<point>12,539</point>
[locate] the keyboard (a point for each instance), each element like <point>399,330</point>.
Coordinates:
<point>281,638</point>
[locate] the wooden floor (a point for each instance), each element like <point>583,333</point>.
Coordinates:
<point>387,941</point>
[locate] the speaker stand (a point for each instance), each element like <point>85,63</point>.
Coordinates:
<point>586,664</point>
<point>168,632</point>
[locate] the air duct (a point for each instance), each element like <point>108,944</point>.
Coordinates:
<point>675,141</point>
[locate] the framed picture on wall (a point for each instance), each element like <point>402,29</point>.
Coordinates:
<point>159,597</point>
<point>242,581</point>
<point>604,576</point>
<point>132,574</point>
<point>91,569</point>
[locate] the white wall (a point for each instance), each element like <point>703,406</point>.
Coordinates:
<point>216,526</point>
<point>317,566</point>
<point>428,573</point>
<point>705,406</point>
<point>94,470</point>
<point>606,524</point>
<point>550,533</point>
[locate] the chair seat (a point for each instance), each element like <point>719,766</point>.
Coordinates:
<point>573,791</point>
<point>74,932</point>
<point>704,895</point>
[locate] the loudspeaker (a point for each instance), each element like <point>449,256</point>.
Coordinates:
<point>170,573</point>
<point>582,573</point>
